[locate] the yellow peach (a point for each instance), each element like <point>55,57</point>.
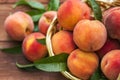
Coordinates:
<point>18,25</point>
<point>110,64</point>
<point>82,64</point>
<point>62,42</point>
<point>70,12</point>
<point>32,49</point>
<point>89,35</point>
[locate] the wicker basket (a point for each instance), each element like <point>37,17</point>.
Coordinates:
<point>50,32</point>
<point>105,4</point>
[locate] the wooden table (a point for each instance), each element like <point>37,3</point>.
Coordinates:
<point>8,69</point>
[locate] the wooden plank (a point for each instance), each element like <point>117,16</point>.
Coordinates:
<point>8,69</point>
<point>8,44</point>
<point>7,1</point>
<point>5,10</point>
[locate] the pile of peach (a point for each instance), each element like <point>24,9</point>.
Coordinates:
<point>20,27</point>
<point>88,42</point>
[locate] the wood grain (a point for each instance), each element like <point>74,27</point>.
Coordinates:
<point>6,8</point>
<point>5,11</point>
<point>8,69</point>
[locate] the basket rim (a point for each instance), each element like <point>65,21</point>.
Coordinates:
<point>50,51</point>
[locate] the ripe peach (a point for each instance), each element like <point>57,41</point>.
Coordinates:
<point>62,42</point>
<point>70,12</point>
<point>89,37</point>
<point>111,19</point>
<point>45,20</point>
<point>109,45</point>
<point>19,25</point>
<point>82,64</point>
<point>86,11</point>
<point>108,11</point>
<point>32,49</point>
<point>110,64</point>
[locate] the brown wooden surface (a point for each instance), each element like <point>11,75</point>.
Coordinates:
<point>8,69</point>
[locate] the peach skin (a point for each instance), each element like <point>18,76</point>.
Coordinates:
<point>32,49</point>
<point>82,64</point>
<point>18,25</point>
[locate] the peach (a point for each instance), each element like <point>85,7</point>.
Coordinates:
<point>110,64</point>
<point>109,45</point>
<point>62,42</point>
<point>111,19</point>
<point>82,64</point>
<point>45,20</point>
<point>86,11</point>
<point>108,11</point>
<point>32,49</point>
<point>70,12</point>
<point>89,37</point>
<point>19,25</point>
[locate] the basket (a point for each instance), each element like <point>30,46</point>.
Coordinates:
<point>50,32</point>
<point>104,4</point>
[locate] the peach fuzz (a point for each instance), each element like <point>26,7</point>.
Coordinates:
<point>110,44</point>
<point>45,20</point>
<point>108,11</point>
<point>111,19</point>
<point>32,49</point>
<point>62,42</point>
<point>18,25</point>
<point>82,64</point>
<point>70,12</point>
<point>110,64</point>
<point>86,11</point>
<point>89,35</point>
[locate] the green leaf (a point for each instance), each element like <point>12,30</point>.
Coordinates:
<point>53,5</point>
<point>28,67</point>
<point>36,18</point>
<point>35,14</point>
<point>42,41</point>
<point>36,29</point>
<point>15,49</point>
<point>24,66</point>
<point>30,3</point>
<point>36,5</point>
<point>55,63</point>
<point>96,9</point>
<point>98,75</point>
<point>20,2</point>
